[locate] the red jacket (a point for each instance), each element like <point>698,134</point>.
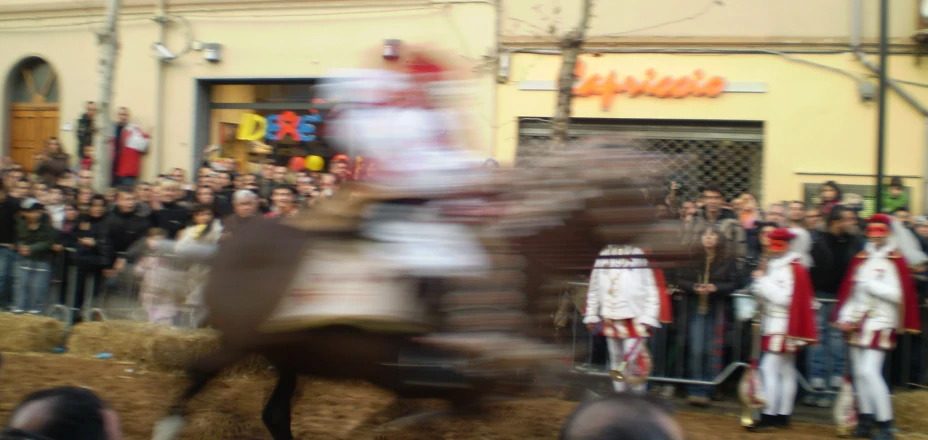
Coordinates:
<point>130,161</point>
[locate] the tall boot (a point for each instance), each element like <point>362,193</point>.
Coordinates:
<point>864,426</point>
<point>884,431</point>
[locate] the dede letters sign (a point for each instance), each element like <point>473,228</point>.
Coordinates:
<point>254,127</point>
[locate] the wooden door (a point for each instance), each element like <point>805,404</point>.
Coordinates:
<point>30,127</point>
<point>34,110</point>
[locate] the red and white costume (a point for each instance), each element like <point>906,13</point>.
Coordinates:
<point>878,297</point>
<point>628,298</point>
<point>388,116</point>
<point>785,296</point>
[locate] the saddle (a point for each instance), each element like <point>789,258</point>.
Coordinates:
<point>340,282</point>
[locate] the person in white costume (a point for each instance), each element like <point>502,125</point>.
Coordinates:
<point>784,293</point>
<point>389,118</point>
<point>876,302</point>
<point>625,300</point>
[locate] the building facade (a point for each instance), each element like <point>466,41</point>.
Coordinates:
<point>772,98</point>
<point>234,63</point>
<point>762,97</point>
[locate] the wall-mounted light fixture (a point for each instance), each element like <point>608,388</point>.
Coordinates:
<point>391,49</point>
<point>212,52</point>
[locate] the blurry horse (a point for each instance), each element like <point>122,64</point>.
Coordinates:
<point>548,221</point>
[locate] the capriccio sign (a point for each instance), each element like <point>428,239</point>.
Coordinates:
<point>652,84</point>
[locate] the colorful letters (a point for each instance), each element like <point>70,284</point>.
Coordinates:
<point>276,127</point>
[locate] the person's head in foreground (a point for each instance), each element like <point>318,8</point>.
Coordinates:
<point>624,416</point>
<point>62,413</point>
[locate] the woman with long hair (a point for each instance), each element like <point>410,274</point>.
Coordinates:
<point>206,230</point>
<point>707,282</point>
<point>830,194</point>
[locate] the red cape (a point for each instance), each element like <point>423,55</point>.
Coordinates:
<point>666,313</point>
<point>911,320</point>
<point>666,307</point>
<point>801,316</point>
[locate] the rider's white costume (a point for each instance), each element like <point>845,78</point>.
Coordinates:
<point>416,159</point>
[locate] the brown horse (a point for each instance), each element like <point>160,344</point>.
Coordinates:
<point>254,269</point>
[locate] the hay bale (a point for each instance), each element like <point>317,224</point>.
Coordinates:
<point>127,341</point>
<point>909,409</point>
<point>157,347</point>
<point>214,424</point>
<point>25,333</point>
<point>172,350</point>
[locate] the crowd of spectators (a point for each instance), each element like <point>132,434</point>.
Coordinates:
<point>727,236</point>
<point>53,219</point>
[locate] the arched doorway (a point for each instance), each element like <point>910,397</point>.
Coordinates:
<point>34,111</point>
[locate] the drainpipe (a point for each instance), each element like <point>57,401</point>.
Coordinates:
<point>857,10</point>
<point>158,135</point>
<point>856,29</point>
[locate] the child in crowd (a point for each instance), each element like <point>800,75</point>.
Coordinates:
<point>34,239</point>
<point>87,157</point>
<point>160,281</point>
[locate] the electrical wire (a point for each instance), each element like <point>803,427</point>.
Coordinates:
<point>434,6</point>
<point>66,25</point>
<point>214,17</point>
<point>709,6</point>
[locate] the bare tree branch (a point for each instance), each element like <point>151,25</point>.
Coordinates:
<point>570,48</point>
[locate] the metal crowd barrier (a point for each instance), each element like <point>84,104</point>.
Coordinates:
<point>118,297</point>
<point>665,355</point>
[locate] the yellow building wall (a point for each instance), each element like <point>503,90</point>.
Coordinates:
<point>814,120</point>
<point>273,43</point>
<point>742,19</point>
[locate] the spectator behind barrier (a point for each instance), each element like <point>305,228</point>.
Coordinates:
<point>624,416</point>
<point>62,413</point>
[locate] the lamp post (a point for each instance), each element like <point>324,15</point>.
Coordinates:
<point>881,112</point>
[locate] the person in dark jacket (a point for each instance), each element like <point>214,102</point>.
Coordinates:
<point>126,225</point>
<point>707,284</point>
<point>245,203</point>
<point>205,195</point>
<point>713,213</point>
<point>55,163</point>
<point>832,252</point>
<point>65,245</point>
<point>9,209</point>
<point>93,254</point>
<point>34,239</point>
<point>85,127</point>
<point>172,215</point>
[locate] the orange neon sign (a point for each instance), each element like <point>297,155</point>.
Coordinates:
<point>652,84</point>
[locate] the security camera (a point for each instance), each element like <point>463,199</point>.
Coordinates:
<point>212,52</point>
<point>163,53</point>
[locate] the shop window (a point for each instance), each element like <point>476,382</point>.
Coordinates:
<point>693,153</point>
<point>257,124</point>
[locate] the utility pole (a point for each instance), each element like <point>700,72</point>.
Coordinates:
<point>571,45</point>
<point>881,118</point>
<point>107,40</point>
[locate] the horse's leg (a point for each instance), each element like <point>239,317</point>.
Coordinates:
<point>200,373</point>
<point>276,416</point>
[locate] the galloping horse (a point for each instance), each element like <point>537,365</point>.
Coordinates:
<point>553,219</point>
